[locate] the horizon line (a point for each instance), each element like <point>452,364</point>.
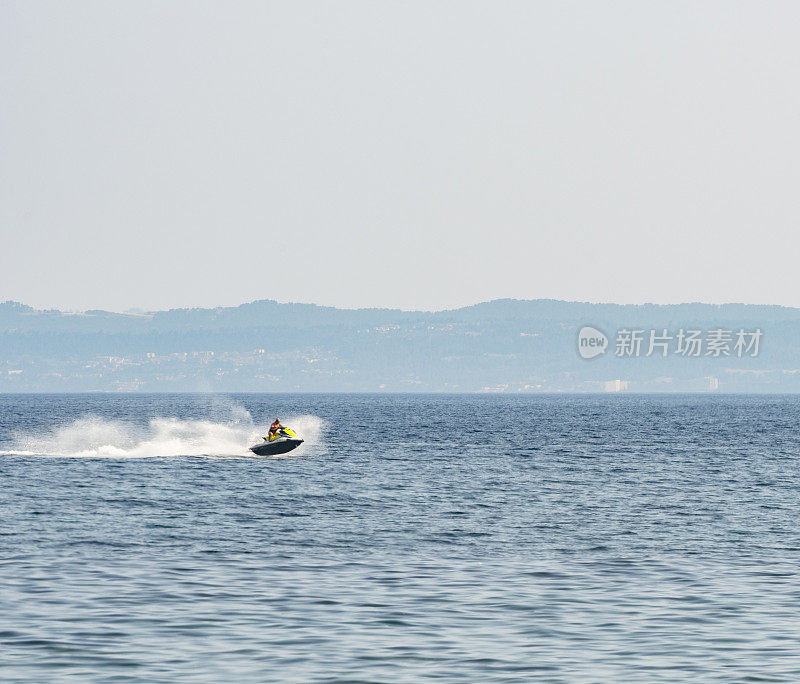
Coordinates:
<point>137,311</point>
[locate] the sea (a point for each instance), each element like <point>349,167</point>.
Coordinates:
<point>450,538</point>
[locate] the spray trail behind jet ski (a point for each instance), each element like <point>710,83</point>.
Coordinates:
<point>96,437</point>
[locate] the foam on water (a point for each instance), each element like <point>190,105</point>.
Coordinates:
<point>92,436</point>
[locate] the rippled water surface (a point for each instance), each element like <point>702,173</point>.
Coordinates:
<point>458,538</point>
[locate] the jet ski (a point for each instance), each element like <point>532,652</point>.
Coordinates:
<point>285,440</point>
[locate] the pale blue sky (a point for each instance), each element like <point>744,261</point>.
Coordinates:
<point>414,155</point>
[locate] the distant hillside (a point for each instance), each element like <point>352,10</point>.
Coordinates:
<point>503,345</point>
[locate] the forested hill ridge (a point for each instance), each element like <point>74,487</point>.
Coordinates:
<point>503,345</point>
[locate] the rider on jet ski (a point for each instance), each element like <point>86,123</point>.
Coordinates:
<point>273,430</point>
<point>279,440</point>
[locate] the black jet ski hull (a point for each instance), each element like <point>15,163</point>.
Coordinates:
<point>274,448</point>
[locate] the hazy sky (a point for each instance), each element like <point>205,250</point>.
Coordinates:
<point>417,155</point>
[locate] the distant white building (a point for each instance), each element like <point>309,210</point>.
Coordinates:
<point>616,386</point>
<point>713,383</point>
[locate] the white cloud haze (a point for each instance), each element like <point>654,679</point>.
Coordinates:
<point>414,155</point>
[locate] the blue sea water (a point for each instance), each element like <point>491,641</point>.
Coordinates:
<point>412,538</point>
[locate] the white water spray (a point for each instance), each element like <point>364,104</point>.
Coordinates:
<point>92,436</point>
